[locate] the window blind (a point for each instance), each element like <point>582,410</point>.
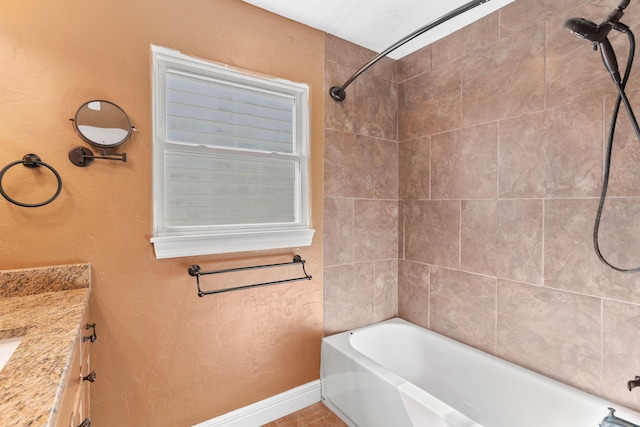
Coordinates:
<point>227,190</point>
<point>205,189</point>
<point>219,114</point>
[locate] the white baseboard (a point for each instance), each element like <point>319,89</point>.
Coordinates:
<point>265,411</point>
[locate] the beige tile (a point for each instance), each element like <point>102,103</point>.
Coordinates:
<point>375,230</point>
<point>385,184</point>
<point>376,107</point>
<point>570,259</point>
<point>432,232</point>
<point>621,363</point>
<point>554,153</point>
<point>354,57</point>
<point>570,262</point>
<point>551,332</point>
<point>344,52</point>
<point>338,231</point>
<point>338,115</point>
<point>502,238</point>
<point>348,165</point>
<point>464,163</point>
<point>401,209</point>
<point>535,11</point>
<point>370,107</point>
<point>413,292</point>
<point>496,86</point>
<point>624,178</point>
<point>414,64</point>
<point>386,290</point>
<point>431,102</point>
<point>463,307</point>
<point>401,112</point>
<point>413,169</point>
<point>479,34</point>
<point>348,297</point>
<point>619,234</point>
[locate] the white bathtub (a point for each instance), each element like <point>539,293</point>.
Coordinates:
<point>397,374</point>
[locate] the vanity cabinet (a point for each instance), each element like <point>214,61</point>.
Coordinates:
<point>74,409</point>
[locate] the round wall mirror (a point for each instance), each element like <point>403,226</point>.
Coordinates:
<point>102,124</point>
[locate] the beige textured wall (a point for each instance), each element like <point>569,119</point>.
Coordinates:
<point>501,130</point>
<point>164,357</point>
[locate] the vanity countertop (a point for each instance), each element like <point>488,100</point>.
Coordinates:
<point>46,309</point>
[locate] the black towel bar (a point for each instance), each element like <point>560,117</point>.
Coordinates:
<point>195,270</point>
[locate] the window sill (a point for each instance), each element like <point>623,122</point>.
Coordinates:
<point>181,246</point>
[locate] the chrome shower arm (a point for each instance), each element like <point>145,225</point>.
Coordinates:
<point>338,92</point>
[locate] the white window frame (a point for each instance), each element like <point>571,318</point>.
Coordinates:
<point>201,240</point>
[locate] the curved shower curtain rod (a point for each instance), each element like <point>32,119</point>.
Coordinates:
<point>338,93</point>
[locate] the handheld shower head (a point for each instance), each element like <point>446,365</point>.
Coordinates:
<point>587,30</point>
<point>609,59</point>
<point>597,34</point>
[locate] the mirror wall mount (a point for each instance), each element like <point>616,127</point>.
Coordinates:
<point>104,125</point>
<point>82,156</point>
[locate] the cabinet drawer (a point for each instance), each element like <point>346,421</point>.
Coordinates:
<point>75,406</point>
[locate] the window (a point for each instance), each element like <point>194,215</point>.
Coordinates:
<point>230,158</point>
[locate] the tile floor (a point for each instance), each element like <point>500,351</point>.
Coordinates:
<point>316,415</point>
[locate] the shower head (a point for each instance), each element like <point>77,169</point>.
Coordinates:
<point>587,30</point>
<point>597,34</point>
<point>594,33</point>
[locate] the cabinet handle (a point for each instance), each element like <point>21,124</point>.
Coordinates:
<point>93,337</point>
<point>91,377</point>
<point>85,423</point>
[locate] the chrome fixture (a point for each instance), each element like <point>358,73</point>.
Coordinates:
<point>613,421</point>
<point>338,92</point>
<point>633,383</point>
<point>104,125</point>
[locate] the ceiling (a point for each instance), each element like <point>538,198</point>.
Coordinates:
<point>378,24</point>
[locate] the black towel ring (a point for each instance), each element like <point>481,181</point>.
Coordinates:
<point>30,161</point>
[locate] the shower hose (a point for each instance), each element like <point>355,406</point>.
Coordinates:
<point>622,98</point>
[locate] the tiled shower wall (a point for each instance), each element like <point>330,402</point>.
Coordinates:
<point>360,190</point>
<point>502,129</point>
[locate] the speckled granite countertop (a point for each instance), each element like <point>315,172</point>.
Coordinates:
<point>45,305</point>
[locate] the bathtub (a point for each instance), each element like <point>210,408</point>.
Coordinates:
<point>397,374</point>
